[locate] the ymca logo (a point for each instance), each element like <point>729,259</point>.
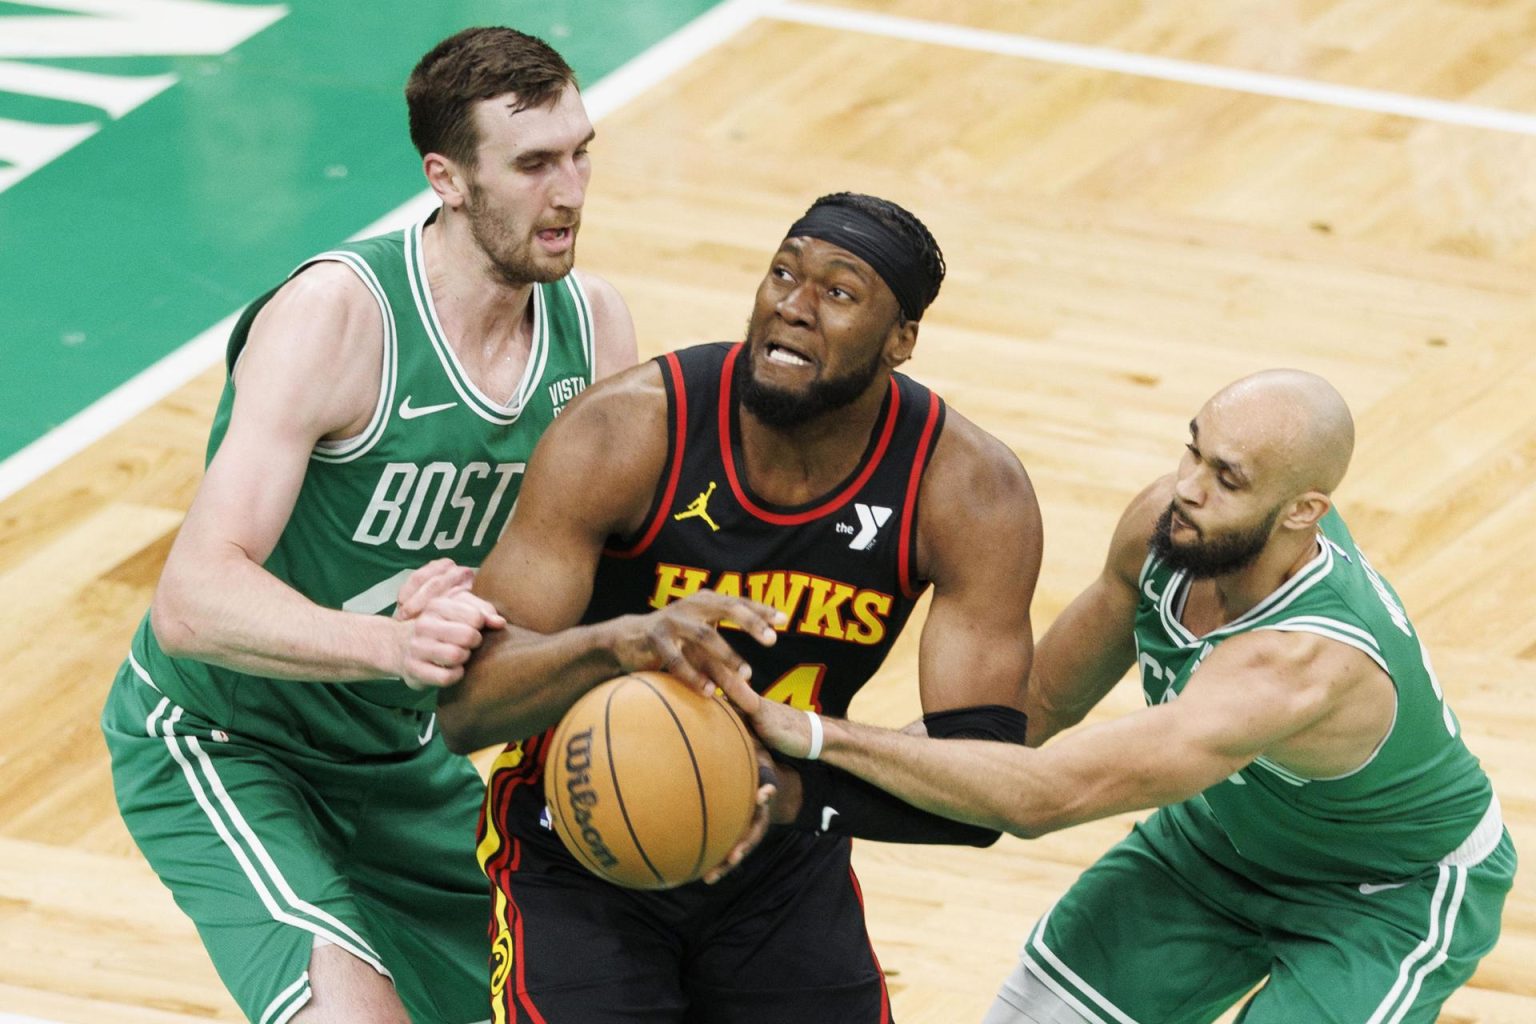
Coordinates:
<point>871,518</point>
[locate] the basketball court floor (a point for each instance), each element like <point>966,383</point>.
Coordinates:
<point>1139,201</point>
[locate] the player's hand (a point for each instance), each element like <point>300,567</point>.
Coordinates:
<point>441,638</point>
<point>684,638</point>
<point>781,727</point>
<point>762,817</point>
<point>438,578</point>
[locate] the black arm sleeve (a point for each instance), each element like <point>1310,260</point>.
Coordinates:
<point>837,803</point>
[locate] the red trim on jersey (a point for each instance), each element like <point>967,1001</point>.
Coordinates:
<point>885,994</point>
<point>832,504</point>
<point>680,435</point>
<point>519,950</point>
<point>493,813</point>
<point>909,506</point>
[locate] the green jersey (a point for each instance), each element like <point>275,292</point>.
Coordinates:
<point>1420,799</point>
<point>434,474</point>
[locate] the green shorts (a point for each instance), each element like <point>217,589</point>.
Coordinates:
<point>1157,932</point>
<point>271,854</point>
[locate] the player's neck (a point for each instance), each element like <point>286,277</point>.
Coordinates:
<point>483,315</point>
<point>1238,593</point>
<point>798,464</point>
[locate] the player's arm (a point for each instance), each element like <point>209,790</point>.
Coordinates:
<point>310,369</point>
<point>613,342</point>
<point>592,477</point>
<point>1255,693</point>
<point>1091,644</point>
<point>979,545</point>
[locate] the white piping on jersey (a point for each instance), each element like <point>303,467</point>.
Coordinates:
<point>1102,1004</point>
<point>347,449</point>
<point>289,1001</point>
<point>1285,775</point>
<point>1399,999</point>
<point>584,321</point>
<point>138,670</point>
<point>1178,585</point>
<point>1482,840</point>
<point>1333,629</point>
<point>263,875</point>
<point>478,401</point>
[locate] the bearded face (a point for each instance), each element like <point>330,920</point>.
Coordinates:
<point>781,407</point>
<point>510,241</point>
<point>1213,553</point>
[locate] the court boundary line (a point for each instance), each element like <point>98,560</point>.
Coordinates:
<point>689,43</point>
<point>1168,69</point>
<point>621,85</point>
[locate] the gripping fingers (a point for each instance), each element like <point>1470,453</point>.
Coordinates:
<point>438,578</point>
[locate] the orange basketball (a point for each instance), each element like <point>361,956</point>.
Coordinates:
<point>649,783</point>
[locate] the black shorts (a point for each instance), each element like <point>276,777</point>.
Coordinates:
<point>781,939</point>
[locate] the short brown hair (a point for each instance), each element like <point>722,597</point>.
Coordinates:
<point>473,65</point>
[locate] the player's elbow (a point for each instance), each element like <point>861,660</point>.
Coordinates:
<point>1025,829</point>
<point>172,617</point>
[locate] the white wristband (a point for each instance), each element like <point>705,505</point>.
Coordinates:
<point>816,736</point>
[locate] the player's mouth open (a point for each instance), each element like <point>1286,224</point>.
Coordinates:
<point>788,357</point>
<point>555,234</point>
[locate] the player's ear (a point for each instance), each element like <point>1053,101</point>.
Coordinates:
<point>900,343</point>
<point>1307,510</point>
<point>447,179</point>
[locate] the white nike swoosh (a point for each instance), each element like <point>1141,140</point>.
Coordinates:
<point>409,412</point>
<point>827,814</point>
<point>1368,889</point>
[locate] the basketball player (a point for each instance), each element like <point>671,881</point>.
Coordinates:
<point>796,492</point>
<point>1322,825</point>
<point>272,737</point>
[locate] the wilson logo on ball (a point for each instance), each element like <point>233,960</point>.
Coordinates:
<point>578,786</point>
<point>649,782</point>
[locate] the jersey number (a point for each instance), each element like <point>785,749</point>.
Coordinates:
<point>800,687</point>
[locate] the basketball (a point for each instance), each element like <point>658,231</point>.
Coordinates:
<point>650,783</point>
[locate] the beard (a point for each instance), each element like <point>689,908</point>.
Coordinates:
<point>781,408</point>
<point>1214,556</point>
<point>513,261</point>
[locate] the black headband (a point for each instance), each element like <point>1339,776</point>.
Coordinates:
<point>887,251</point>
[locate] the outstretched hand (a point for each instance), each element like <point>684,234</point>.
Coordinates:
<point>684,639</point>
<point>779,726</point>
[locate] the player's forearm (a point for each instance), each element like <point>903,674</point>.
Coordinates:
<point>979,782</point>
<point>1132,763</point>
<point>238,615</point>
<point>520,683</point>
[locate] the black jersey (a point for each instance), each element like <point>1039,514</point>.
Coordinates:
<point>783,936</point>
<point>841,567</point>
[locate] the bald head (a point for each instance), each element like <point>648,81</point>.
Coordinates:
<point>1294,423</point>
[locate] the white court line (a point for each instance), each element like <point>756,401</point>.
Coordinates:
<point>172,371</point>
<point>687,44</point>
<point>1257,82</point>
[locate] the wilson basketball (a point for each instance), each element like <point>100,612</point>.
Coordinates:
<point>649,783</point>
